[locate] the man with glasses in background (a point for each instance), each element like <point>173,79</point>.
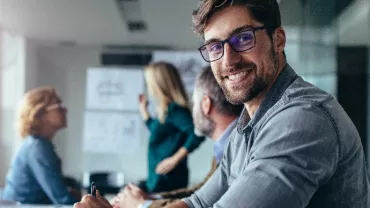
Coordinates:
<point>294,145</point>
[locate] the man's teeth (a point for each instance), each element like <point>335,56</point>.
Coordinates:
<point>237,76</point>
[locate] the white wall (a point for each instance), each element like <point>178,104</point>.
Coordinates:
<point>12,88</point>
<point>31,64</point>
<point>65,68</point>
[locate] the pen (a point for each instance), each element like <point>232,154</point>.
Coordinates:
<point>93,189</point>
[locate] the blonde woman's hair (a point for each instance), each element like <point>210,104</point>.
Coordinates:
<point>31,107</point>
<point>164,84</point>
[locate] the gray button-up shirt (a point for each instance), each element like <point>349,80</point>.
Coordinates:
<point>300,149</point>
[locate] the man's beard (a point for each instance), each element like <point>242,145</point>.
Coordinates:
<point>250,90</point>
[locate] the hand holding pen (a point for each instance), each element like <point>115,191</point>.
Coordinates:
<point>93,200</point>
<point>93,190</point>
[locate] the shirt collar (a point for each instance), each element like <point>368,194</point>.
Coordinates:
<point>284,80</point>
<point>219,145</point>
<point>41,139</point>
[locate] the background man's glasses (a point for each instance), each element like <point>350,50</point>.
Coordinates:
<point>58,106</point>
<point>239,42</point>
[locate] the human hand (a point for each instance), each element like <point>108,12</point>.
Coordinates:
<point>131,197</point>
<point>89,201</point>
<point>178,204</point>
<point>115,202</point>
<point>143,106</point>
<point>166,165</point>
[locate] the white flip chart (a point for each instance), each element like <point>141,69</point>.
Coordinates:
<point>114,88</point>
<point>111,132</point>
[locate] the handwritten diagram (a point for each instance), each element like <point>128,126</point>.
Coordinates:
<point>112,133</point>
<point>114,88</point>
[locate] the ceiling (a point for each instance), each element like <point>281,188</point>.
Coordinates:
<point>67,20</point>
<point>100,22</point>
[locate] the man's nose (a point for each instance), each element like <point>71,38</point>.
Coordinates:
<point>231,57</point>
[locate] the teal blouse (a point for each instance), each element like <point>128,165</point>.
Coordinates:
<point>165,140</point>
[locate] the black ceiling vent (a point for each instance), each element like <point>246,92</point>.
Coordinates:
<point>130,11</point>
<point>136,26</point>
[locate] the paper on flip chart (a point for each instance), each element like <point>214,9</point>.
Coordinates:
<point>111,132</point>
<point>114,88</point>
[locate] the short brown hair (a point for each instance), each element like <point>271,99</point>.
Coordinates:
<point>264,11</point>
<point>33,104</point>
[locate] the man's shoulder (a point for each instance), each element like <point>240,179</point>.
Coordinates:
<point>303,98</point>
<point>302,101</point>
<point>301,90</point>
<point>236,139</point>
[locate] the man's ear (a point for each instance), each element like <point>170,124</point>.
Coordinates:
<point>206,105</point>
<point>279,40</point>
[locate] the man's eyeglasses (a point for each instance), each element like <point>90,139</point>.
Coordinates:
<point>239,42</point>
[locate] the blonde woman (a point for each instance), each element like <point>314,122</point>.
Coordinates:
<point>35,176</point>
<point>171,133</point>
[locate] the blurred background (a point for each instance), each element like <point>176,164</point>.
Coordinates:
<point>54,42</point>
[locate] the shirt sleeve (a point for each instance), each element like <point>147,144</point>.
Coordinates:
<point>185,192</point>
<point>150,123</point>
<point>216,185</point>
<point>294,153</point>
<point>45,165</point>
<point>154,127</point>
<point>182,119</point>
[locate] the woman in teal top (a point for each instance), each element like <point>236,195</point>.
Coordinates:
<point>172,135</point>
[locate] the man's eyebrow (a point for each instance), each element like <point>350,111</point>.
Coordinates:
<point>236,30</point>
<point>239,29</point>
<point>211,41</point>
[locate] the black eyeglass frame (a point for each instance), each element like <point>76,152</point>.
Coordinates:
<point>253,29</point>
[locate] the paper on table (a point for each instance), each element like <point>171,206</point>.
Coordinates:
<point>111,132</point>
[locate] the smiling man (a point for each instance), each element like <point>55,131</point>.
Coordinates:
<point>294,146</point>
